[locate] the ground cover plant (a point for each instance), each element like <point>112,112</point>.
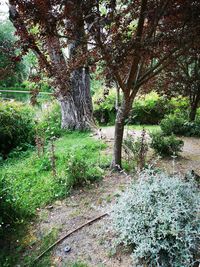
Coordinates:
<point>27,182</point>
<point>158,217</point>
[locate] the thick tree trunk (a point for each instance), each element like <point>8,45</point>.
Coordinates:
<point>122,114</point>
<point>76,106</point>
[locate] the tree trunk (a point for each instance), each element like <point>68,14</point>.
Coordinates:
<point>76,106</point>
<point>193,112</point>
<point>193,109</point>
<point>122,114</point>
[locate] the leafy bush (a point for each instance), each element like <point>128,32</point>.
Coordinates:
<point>178,124</point>
<point>49,121</point>
<point>16,126</point>
<point>149,109</point>
<point>159,218</point>
<point>79,170</point>
<point>136,148</point>
<point>165,145</point>
<point>173,124</point>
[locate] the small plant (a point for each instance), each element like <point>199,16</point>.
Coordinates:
<point>158,217</point>
<point>49,121</point>
<point>136,148</point>
<point>165,145</point>
<point>79,170</point>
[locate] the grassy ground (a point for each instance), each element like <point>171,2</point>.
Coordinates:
<point>30,181</point>
<point>146,127</point>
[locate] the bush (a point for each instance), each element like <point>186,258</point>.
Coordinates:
<point>158,217</point>
<point>16,126</point>
<point>136,148</point>
<point>178,124</point>
<point>79,170</point>
<point>49,122</point>
<point>149,109</point>
<point>165,145</point>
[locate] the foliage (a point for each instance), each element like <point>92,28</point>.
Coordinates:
<point>27,182</point>
<point>178,124</point>
<point>165,145</point>
<point>158,217</point>
<point>12,68</point>
<point>80,170</point>
<point>136,148</point>
<point>183,77</point>
<point>104,106</point>
<point>49,120</point>
<point>16,126</point>
<point>149,109</point>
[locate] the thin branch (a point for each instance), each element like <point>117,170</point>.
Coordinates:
<point>68,234</point>
<point>136,57</point>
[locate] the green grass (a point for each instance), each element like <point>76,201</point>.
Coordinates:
<point>146,127</point>
<point>140,127</point>
<point>31,184</point>
<point>29,178</point>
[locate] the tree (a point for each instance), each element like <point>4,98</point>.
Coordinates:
<point>183,77</point>
<point>12,68</point>
<point>137,40</point>
<point>49,28</point>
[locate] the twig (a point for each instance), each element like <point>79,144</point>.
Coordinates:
<point>68,234</point>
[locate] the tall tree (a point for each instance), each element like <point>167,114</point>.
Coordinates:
<point>182,77</point>
<point>12,68</point>
<point>54,31</point>
<point>137,40</point>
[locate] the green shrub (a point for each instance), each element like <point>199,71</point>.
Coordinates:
<point>80,170</point>
<point>136,148</point>
<point>178,124</point>
<point>16,126</point>
<point>158,217</point>
<point>49,121</point>
<point>165,145</point>
<point>149,109</point>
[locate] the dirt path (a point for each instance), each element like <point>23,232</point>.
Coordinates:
<point>94,243</point>
<point>189,158</point>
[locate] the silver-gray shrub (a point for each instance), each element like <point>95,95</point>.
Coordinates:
<point>158,218</point>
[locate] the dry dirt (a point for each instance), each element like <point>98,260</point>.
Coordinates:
<point>94,243</point>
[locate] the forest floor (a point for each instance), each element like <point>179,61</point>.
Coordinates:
<point>94,244</point>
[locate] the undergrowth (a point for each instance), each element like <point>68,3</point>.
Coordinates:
<point>28,182</point>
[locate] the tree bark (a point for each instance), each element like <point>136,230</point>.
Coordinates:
<point>122,114</point>
<point>76,105</point>
<point>193,106</point>
<point>193,111</point>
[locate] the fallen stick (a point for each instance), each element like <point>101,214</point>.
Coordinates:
<point>68,234</point>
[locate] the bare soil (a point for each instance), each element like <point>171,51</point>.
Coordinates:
<point>94,243</point>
